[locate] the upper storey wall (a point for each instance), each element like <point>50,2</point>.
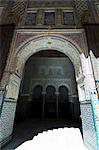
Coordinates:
<point>74,12</point>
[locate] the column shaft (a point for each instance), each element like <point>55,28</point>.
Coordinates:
<point>43,106</point>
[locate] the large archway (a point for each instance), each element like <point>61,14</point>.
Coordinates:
<point>21,55</point>
<point>48,95</point>
<point>13,76</point>
<point>46,68</point>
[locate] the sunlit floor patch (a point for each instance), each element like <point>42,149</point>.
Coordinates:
<point>56,139</point>
<point>27,129</point>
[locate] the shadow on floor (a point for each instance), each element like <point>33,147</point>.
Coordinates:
<point>27,129</point>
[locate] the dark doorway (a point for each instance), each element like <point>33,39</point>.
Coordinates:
<point>50,103</point>
<point>63,103</point>
<point>37,102</point>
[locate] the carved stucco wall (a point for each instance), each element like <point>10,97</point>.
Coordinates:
<point>49,71</point>
<point>75,35</point>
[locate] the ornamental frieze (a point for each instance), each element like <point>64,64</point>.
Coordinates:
<point>78,38</point>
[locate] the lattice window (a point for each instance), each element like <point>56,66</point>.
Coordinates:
<point>49,18</point>
<point>31,19</point>
<point>68,18</point>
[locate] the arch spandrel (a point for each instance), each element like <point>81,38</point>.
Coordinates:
<point>48,42</point>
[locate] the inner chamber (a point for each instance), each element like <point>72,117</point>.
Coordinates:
<point>48,95</point>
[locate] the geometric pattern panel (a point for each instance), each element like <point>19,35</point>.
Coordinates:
<point>81,5</point>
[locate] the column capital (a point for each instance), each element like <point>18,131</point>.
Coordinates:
<point>44,93</point>
<point>56,93</point>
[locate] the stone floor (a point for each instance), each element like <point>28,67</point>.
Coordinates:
<point>27,129</point>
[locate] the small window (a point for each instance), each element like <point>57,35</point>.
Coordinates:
<point>68,18</point>
<point>49,18</point>
<point>30,19</point>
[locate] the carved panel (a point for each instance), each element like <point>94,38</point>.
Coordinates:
<point>50,71</point>
<point>46,71</point>
<point>77,37</point>
<point>51,3</point>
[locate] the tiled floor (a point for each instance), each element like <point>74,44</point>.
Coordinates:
<point>27,129</point>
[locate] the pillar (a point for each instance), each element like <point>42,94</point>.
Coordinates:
<point>57,96</point>
<point>8,108</point>
<point>43,104</point>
